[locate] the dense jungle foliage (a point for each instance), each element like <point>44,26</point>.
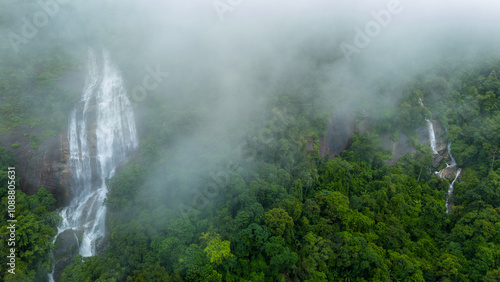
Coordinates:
<point>282,215</point>
<point>267,209</point>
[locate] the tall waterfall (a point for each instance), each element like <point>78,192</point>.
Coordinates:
<point>432,135</point>
<point>101,134</point>
<point>430,128</point>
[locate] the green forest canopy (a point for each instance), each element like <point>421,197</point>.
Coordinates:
<point>279,214</point>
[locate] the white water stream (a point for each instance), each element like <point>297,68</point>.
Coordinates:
<point>457,174</point>
<point>453,163</point>
<point>432,136</point>
<point>450,190</point>
<point>101,133</point>
<point>432,139</point>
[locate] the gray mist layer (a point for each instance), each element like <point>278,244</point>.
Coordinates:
<point>213,67</point>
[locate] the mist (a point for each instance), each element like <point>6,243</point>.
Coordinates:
<point>219,62</point>
<point>212,69</point>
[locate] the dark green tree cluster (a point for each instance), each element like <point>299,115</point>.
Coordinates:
<point>35,228</point>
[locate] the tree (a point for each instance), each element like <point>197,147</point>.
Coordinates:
<point>195,263</point>
<point>216,250</point>
<point>278,221</point>
<point>35,230</point>
<point>280,257</point>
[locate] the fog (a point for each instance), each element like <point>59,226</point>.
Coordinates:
<point>221,61</point>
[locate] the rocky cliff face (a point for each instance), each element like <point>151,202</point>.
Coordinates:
<point>44,165</point>
<point>338,135</point>
<point>342,126</point>
<point>340,131</point>
<point>398,148</point>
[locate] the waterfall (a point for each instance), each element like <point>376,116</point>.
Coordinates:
<point>441,172</point>
<point>432,136</point>
<point>420,102</point>
<point>450,190</point>
<point>430,127</point>
<point>101,133</point>
<point>115,136</point>
<point>452,163</point>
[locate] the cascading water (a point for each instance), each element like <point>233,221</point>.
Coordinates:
<point>430,127</point>
<point>420,102</point>
<point>452,163</point>
<point>101,134</point>
<point>450,190</point>
<point>448,165</point>
<point>432,136</point>
<point>457,174</point>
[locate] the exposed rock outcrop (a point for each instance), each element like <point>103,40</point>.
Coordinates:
<point>398,148</point>
<point>67,246</point>
<point>340,131</point>
<point>448,172</point>
<point>443,154</point>
<point>42,165</point>
<point>343,125</point>
<point>324,149</point>
<point>338,134</point>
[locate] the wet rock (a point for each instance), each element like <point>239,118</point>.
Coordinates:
<point>364,126</point>
<point>437,161</point>
<point>66,247</point>
<point>398,148</point>
<point>448,172</point>
<point>423,134</point>
<point>67,243</point>
<point>441,144</point>
<point>324,149</point>
<point>102,244</point>
<point>42,165</point>
<point>339,133</point>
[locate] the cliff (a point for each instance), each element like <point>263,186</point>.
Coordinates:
<point>342,126</point>
<point>40,165</point>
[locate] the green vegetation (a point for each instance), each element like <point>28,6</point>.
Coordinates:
<point>35,228</point>
<point>262,209</point>
<point>282,215</point>
<point>285,216</point>
<point>35,141</point>
<point>31,92</point>
<point>33,96</point>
